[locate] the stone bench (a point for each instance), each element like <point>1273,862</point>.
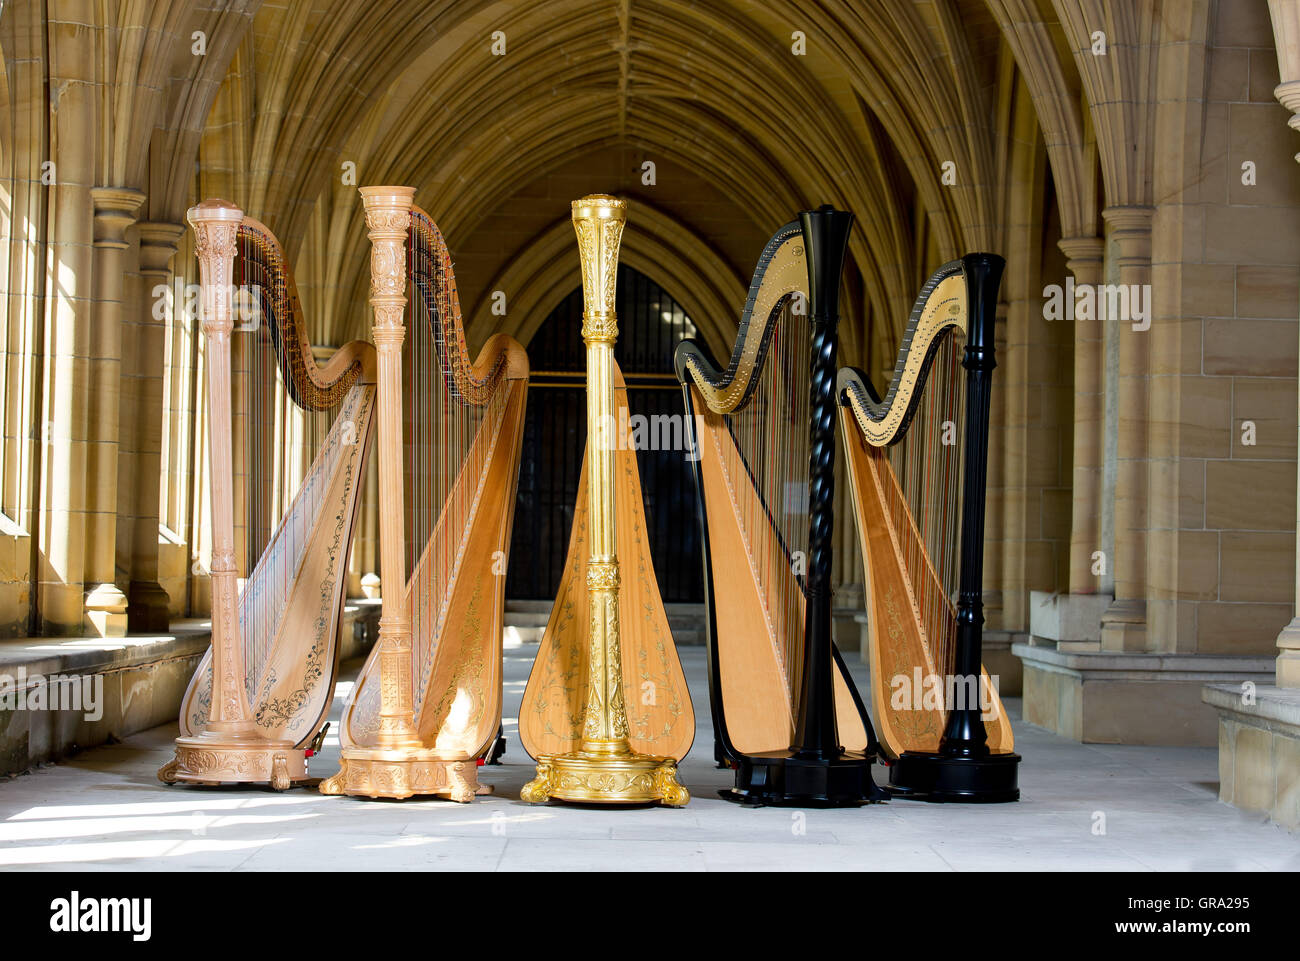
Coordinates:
<point>134,683</point>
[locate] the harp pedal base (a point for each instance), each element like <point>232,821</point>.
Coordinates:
<point>400,774</point>
<point>209,760</point>
<point>940,779</point>
<point>606,777</point>
<point>780,778</point>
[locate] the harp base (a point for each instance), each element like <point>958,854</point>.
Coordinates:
<point>213,759</point>
<point>606,777</point>
<point>400,774</point>
<point>938,778</point>
<point>780,778</point>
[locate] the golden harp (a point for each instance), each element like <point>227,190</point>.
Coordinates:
<point>606,712</point>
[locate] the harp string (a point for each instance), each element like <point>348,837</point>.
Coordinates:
<point>452,418</point>
<point>281,421</point>
<point>767,464</point>
<point>927,463</point>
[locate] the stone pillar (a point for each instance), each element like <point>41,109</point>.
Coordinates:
<point>147,602</point>
<point>1286,33</point>
<point>115,210</point>
<point>1084,261</point>
<point>60,580</point>
<point>1124,625</point>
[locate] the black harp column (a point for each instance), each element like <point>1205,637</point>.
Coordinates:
<point>817,771</point>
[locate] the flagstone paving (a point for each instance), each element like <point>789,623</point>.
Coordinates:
<point>1083,807</point>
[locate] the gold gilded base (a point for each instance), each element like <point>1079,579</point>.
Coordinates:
<point>205,759</point>
<point>401,774</point>
<point>606,776</point>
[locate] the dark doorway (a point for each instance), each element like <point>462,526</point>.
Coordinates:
<point>651,324</point>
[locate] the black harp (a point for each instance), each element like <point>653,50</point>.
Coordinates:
<point>785,711</point>
<point>918,472</point>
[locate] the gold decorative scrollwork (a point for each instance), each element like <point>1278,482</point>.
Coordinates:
<point>941,308</point>
<point>781,277</point>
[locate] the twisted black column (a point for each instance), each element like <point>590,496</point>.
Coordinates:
<point>964,735</point>
<point>826,237</point>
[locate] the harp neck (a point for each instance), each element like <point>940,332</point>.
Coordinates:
<point>780,275</point>
<point>473,379</point>
<point>311,386</point>
<point>941,307</point>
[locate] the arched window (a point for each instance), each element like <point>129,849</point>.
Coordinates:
<point>651,324</point>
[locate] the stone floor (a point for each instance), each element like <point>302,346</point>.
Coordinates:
<point>1158,806</point>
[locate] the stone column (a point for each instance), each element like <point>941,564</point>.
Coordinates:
<point>115,210</point>
<point>1124,625</point>
<point>147,603</point>
<point>1286,33</point>
<point>62,453</point>
<point>1084,261</point>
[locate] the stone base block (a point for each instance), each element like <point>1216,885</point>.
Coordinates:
<point>59,696</point>
<point>1288,670</point>
<point>1073,621</point>
<point>1259,749</point>
<point>1124,698</point>
<point>1001,663</point>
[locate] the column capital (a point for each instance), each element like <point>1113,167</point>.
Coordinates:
<point>1129,225</point>
<point>159,241</point>
<point>1129,218</point>
<point>1084,257</point>
<point>115,210</point>
<point>1083,250</point>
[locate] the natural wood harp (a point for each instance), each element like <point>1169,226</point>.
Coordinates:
<point>258,698</point>
<point>427,705</point>
<point>918,461</point>
<point>786,714</point>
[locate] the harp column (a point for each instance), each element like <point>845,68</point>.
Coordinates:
<point>388,218</point>
<point>230,746</point>
<point>604,769</point>
<point>398,765</point>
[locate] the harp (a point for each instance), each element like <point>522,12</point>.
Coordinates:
<point>427,704</point>
<point>606,712</point>
<point>918,461</point>
<point>260,694</point>
<point>786,713</point>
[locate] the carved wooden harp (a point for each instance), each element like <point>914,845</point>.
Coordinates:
<point>274,640</point>
<point>427,704</point>
<point>917,465</point>
<point>777,686</point>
